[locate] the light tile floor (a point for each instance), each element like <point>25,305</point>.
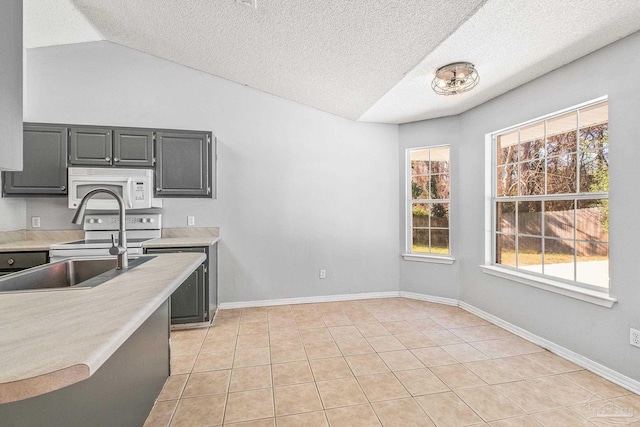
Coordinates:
<point>390,362</point>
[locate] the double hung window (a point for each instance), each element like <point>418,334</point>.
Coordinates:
<point>551,197</point>
<point>428,201</point>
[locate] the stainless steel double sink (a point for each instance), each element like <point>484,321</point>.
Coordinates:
<point>70,273</point>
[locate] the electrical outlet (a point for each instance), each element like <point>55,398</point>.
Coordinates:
<point>634,337</point>
<point>323,274</point>
<point>35,222</point>
<point>191,220</point>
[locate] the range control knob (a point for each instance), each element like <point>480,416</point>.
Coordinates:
<point>144,220</point>
<point>99,221</point>
<point>91,221</point>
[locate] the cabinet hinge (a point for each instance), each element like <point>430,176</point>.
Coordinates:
<point>153,161</point>
<point>208,190</point>
<point>208,139</point>
<point>205,269</point>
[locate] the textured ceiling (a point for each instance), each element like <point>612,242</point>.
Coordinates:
<point>360,59</point>
<point>335,55</point>
<point>510,43</point>
<point>54,22</point>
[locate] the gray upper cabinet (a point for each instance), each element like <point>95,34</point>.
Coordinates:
<point>184,166</point>
<point>91,146</point>
<point>133,148</point>
<point>120,147</point>
<point>184,161</point>
<point>45,163</point>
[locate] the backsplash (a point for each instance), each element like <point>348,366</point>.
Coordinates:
<point>40,235</point>
<point>43,235</point>
<point>62,235</point>
<point>191,232</point>
<point>12,236</point>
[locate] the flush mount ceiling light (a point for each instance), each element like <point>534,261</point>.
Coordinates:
<point>455,78</point>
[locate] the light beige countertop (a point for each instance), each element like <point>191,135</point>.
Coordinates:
<point>30,245</point>
<point>19,241</point>
<point>180,242</point>
<point>51,339</point>
<point>26,241</point>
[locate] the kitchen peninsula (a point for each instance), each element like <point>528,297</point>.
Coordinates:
<point>96,356</point>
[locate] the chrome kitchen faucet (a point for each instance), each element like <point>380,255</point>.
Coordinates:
<point>121,249</point>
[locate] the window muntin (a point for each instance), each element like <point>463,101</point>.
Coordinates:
<point>429,201</point>
<point>550,197</point>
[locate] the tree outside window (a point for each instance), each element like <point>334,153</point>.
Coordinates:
<point>551,197</point>
<point>429,200</point>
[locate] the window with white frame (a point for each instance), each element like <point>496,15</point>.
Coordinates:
<point>428,200</point>
<point>551,197</point>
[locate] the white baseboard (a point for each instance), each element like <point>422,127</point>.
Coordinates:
<point>429,298</point>
<point>588,364</point>
<point>307,300</point>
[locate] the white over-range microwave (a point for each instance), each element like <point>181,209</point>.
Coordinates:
<point>134,185</point>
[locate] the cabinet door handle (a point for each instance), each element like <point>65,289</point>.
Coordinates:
<point>107,159</point>
<point>115,159</point>
<point>63,188</point>
<point>158,188</point>
<point>11,261</point>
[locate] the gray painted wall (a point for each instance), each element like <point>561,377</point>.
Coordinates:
<point>598,333</point>
<point>12,213</point>
<point>299,189</point>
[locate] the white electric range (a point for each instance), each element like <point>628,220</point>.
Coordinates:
<point>98,232</point>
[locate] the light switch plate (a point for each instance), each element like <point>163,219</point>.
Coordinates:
<point>191,220</point>
<point>35,222</point>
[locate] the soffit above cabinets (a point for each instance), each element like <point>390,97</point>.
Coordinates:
<point>363,60</point>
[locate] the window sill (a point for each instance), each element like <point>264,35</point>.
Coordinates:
<point>434,259</point>
<point>594,297</point>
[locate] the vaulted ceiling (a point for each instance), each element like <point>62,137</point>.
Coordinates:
<point>363,60</point>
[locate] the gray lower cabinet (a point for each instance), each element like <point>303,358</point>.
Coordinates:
<point>11,262</point>
<point>45,163</point>
<point>120,393</point>
<point>196,299</point>
<point>184,166</point>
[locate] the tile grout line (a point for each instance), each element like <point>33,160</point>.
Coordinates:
<point>341,310</point>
